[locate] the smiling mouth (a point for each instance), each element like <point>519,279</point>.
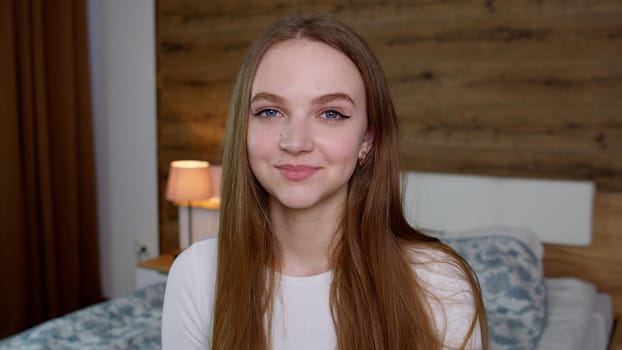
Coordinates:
<point>297,172</point>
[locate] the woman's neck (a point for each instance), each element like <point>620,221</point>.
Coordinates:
<point>307,238</point>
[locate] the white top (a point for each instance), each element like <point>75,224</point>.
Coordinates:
<point>302,318</point>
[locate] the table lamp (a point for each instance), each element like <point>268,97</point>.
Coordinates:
<point>188,181</point>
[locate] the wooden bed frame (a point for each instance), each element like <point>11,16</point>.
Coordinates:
<point>601,262</point>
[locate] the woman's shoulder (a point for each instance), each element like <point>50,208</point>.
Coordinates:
<point>200,251</point>
<point>196,264</point>
<point>452,295</point>
<point>439,269</point>
<point>188,298</point>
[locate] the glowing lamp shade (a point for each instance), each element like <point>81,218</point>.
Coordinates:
<point>216,174</point>
<point>189,180</point>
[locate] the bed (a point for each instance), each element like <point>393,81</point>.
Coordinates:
<point>544,252</point>
<point>525,309</point>
<point>531,298</point>
<point>128,322</point>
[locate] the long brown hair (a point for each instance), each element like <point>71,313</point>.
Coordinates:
<point>377,300</point>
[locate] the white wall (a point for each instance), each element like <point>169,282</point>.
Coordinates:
<point>122,39</point>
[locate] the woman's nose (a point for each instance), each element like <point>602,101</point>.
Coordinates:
<point>296,136</point>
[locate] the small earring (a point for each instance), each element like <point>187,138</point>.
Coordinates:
<point>362,157</point>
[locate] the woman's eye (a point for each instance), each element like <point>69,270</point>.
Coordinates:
<point>268,113</point>
<point>332,114</point>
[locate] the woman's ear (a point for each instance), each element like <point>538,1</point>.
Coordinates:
<point>368,140</point>
<point>366,145</point>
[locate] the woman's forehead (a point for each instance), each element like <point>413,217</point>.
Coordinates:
<point>303,66</point>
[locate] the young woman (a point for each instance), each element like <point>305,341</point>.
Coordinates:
<point>314,251</point>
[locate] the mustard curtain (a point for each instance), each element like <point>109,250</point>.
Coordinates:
<point>49,262</point>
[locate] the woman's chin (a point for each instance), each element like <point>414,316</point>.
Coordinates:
<point>295,203</point>
<point>297,200</point>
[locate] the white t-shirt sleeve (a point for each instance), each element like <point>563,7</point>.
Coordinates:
<point>185,316</point>
<point>453,304</point>
<point>459,310</point>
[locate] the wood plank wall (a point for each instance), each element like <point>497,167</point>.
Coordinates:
<point>522,88</point>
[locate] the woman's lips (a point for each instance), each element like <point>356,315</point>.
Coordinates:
<point>296,172</point>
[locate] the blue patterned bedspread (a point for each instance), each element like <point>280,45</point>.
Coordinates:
<point>128,322</point>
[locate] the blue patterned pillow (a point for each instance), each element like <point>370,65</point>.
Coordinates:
<point>512,282</point>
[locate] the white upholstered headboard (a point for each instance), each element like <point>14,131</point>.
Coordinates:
<point>559,211</point>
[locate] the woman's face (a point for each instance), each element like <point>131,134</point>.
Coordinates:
<point>307,124</point>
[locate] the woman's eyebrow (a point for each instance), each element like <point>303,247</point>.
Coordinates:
<point>317,101</point>
<point>268,97</point>
<point>331,97</point>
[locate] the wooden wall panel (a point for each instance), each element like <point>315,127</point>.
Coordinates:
<point>518,88</point>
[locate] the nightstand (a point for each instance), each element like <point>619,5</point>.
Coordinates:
<point>154,270</point>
